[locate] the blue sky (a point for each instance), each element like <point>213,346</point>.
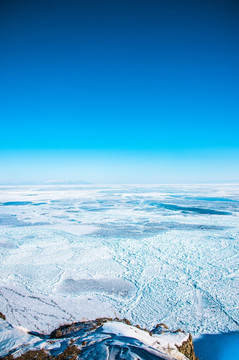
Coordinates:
<point>119,91</point>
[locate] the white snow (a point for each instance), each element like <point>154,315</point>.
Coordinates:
<point>17,341</point>
<point>14,338</point>
<point>123,253</point>
<point>163,342</point>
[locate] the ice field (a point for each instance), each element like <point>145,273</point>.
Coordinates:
<point>146,253</point>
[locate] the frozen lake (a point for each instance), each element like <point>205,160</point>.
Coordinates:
<point>147,253</point>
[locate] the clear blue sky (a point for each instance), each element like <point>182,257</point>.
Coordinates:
<point>119,91</point>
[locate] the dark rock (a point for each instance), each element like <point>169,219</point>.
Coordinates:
<point>2,316</point>
<point>187,348</point>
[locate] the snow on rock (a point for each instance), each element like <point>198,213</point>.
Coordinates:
<point>13,338</point>
<point>166,343</point>
<point>99,339</point>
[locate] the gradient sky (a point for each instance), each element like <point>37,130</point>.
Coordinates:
<point>119,91</point>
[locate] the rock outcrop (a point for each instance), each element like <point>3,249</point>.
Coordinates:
<point>97,339</point>
<point>2,316</point>
<point>187,348</point>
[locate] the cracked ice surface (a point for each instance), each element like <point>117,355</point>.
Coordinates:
<point>148,253</point>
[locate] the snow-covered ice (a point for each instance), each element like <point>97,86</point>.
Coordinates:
<point>147,253</point>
